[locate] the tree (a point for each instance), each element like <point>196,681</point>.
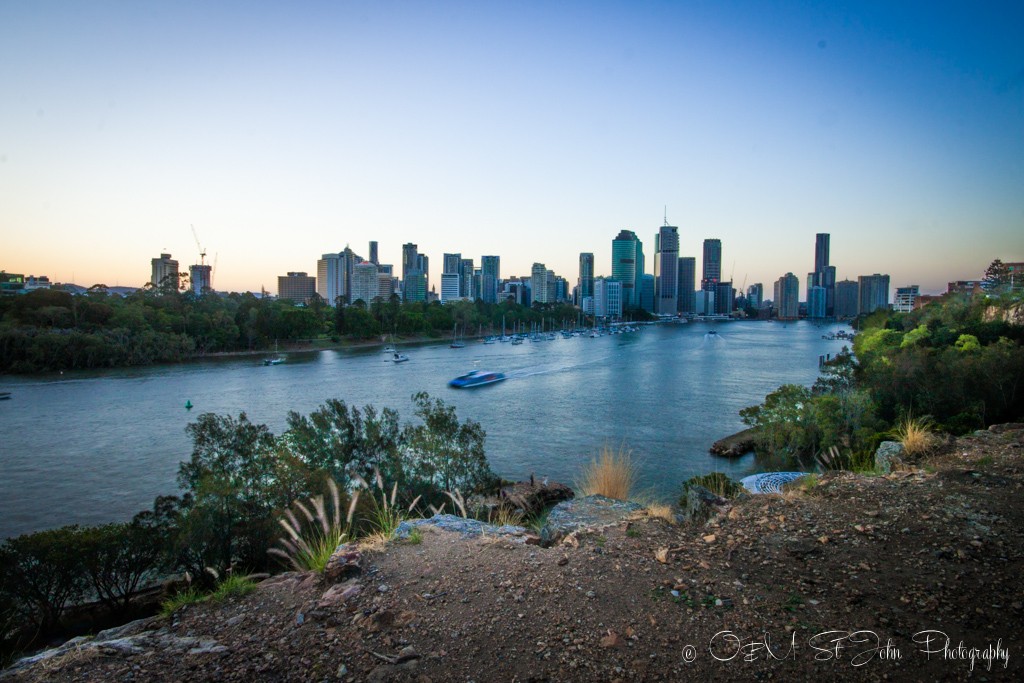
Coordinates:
<point>42,573</point>
<point>444,453</point>
<point>344,442</point>
<point>118,559</point>
<point>230,486</point>
<point>996,275</point>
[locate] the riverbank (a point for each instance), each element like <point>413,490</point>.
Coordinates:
<point>849,577</point>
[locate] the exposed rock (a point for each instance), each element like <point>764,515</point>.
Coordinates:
<point>736,445</point>
<point>590,512</point>
<point>469,528</point>
<point>1006,427</point>
<point>888,455</point>
<point>702,504</point>
<point>533,497</point>
<point>343,563</point>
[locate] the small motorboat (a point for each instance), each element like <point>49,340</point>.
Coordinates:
<point>476,378</point>
<point>399,358</point>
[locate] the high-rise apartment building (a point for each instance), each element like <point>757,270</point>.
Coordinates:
<point>586,277</point>
<point>539,283</point>
<point>687,284</point>
<point>628,267</point>
<point>296,286</point>
<point>490,276</point>
<point>165,272</point>
<point>787,297</point>
<point>872,293</point>
<point>712,265</point>
<point>846,300</point>
<point>666,270</point>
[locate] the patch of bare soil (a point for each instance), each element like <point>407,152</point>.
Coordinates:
<point>911,576</point>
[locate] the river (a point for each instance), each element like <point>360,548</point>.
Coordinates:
<point>95,447</point>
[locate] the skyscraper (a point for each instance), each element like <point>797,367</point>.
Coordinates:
<point>821,241</point>
<point>409,260</point>
<point>539,283</point>
<point>466,279</point>
<point>165,272</point>
<point>451,263</point>
<point>787,297</point>
<point>365,282</point>
<point>846,299</point>
<point>872,293</point>
<point>586,279</point>
<point>824,276</point>
<point>687,283</point>
<point>373,252</point>
<point>712,265</point>
<point>755,295</point>
<point>666,270</point>
<point>201,277</point>
<point>628,267</point>
<point>449,287</point>
<point>334,276</point>
<point>296,286</point>
<point>490,275</point>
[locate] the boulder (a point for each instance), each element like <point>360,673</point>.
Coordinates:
<point>889,454</point>
<point>343,564</point>
<point>702,504</point>
<point>590,512</point>
<point>533,497</point>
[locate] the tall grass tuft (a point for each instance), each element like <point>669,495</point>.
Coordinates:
<point>385,514</point>
<point>612,474</point>
<point>916,435</point>
<point>312,540</point>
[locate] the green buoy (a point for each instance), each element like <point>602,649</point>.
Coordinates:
<point>188,405</point>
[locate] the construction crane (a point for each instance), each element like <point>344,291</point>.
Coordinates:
<point>202,252</point>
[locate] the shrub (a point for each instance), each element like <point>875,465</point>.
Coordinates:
<point>717,482</point>
<point>612,474</point>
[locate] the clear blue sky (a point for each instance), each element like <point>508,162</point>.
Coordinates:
<point>531,130</point>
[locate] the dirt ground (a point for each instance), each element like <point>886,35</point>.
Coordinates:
<point>913,576</point>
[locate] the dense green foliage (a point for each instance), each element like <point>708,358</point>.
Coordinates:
<point>55,330</point>
<point>956,361</point>
<point>239,480</point>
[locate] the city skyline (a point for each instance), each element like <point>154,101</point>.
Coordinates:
<point>530,132</point>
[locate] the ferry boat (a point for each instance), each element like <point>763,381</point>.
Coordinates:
<point>476,378</point>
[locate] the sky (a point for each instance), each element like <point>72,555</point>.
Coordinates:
<point>530,130</point>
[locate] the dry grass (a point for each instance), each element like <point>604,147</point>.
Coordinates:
<point>916,435</point>
<point>611,474</point>
<point>662,511</point>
